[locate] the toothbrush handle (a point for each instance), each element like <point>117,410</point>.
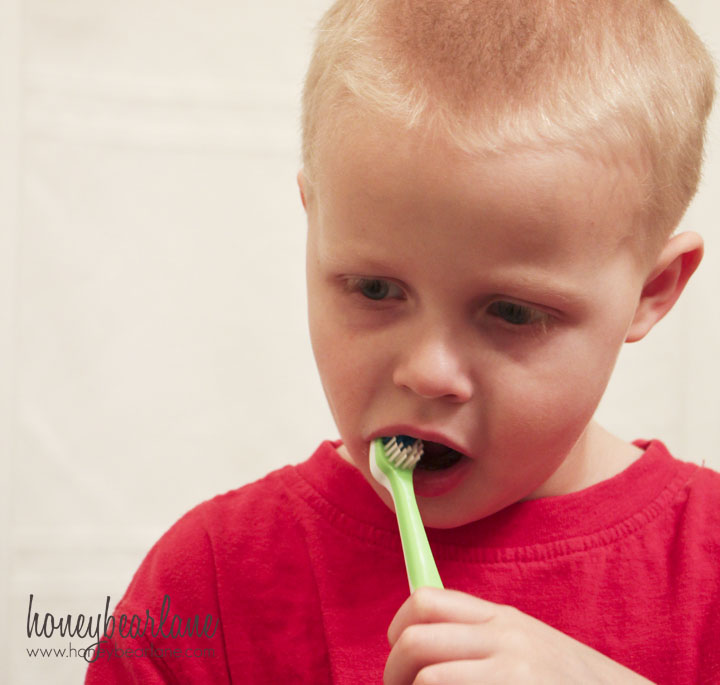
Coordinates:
<point>419,560</point>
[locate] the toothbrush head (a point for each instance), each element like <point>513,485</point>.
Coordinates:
<point>394,457</point>
<point>403,451</point>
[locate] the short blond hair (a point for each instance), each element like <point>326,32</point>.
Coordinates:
<point>492,75</point>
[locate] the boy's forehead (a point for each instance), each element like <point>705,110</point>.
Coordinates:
<point>377,165</point>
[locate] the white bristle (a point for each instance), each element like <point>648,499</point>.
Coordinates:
<point>403,457</point>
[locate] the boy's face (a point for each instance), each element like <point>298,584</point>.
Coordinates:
<point>472,302</point>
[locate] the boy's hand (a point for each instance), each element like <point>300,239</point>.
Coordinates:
<point>445,636</point>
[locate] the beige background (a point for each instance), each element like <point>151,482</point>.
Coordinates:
<point>153,343</point>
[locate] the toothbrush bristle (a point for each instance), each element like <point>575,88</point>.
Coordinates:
<point>403,451</point>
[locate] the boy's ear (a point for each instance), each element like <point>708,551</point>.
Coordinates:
<point>677,262</point>
<point>301,185</point>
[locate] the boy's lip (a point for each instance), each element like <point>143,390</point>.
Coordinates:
<point>421,433</point>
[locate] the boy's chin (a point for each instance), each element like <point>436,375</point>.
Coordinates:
<point>443,514</point>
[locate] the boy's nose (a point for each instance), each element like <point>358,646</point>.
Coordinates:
<point>432,368</point>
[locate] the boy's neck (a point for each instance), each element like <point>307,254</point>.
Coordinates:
<point>597,456</point>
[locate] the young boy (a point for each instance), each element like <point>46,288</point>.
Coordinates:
<point>491,190</point>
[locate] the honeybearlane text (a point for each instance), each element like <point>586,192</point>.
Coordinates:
<point>128,626</point>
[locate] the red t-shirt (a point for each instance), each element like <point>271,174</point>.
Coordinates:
<point>296,577</point>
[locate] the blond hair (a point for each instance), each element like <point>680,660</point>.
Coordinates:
<point>491,75</point>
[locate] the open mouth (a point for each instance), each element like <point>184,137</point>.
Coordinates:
<point>437,457</point>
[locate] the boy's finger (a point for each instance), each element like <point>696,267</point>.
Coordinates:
<point>425,645</point>
<point>433,605</point>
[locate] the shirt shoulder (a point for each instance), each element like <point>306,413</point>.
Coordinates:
<point>230,530</point>
<point>239,564</point>
<point>697,509</point>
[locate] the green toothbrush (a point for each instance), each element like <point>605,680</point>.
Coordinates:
<point>392,461</point>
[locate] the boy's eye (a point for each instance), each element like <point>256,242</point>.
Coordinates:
<point>517,314</point>
<point>374,288</point>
